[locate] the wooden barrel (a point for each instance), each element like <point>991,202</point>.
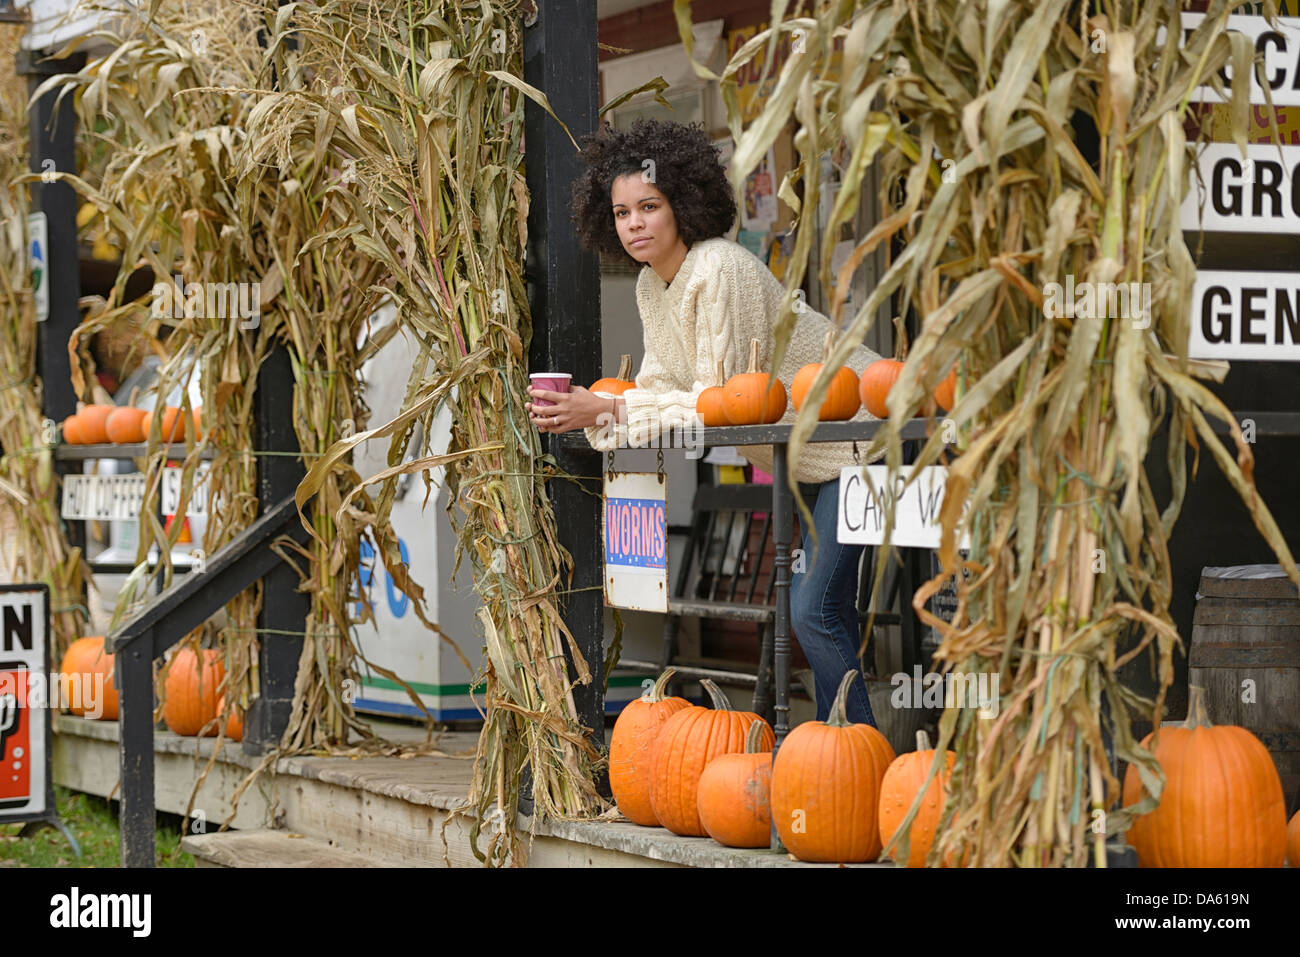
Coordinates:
<point>1245,653</point>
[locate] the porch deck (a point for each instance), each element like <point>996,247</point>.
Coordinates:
<point>376,811</point>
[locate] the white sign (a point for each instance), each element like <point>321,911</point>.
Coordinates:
<point>864,495</point>
<point>1246,315</point>
<point>117,498</point>
<point>38,233</point>
<point>1278,43</point>
<point>24,708</point>
<point>1258,194</point>
<point>636,541</point>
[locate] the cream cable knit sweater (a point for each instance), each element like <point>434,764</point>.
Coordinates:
<point>722,297</point>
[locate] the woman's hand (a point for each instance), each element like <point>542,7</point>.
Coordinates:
<point>575,409</point>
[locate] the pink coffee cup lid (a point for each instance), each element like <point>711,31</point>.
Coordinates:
<point>549,375</point>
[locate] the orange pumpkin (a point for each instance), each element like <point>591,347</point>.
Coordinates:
<point>735,795</point>
<point>686,743</point>
<point>841,402</point>
<point>92,421</point>
<point>234,721</point>
<point>125,425</point>
<point>826,787</point>
<point>620,383</point>
<point>710,406</point>
<point>877,379</point>
<point>72,431</point>
<point>945,393</point>
<point>1293,840</point>
<point>173,426</point>
<point>1222,802</point>
<point>753,397</point>
<point>898,790</point>
<point>629,749</point>
<point>191,691</point>
<point>84,659</point>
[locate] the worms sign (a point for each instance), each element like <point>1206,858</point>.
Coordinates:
<point>636,541</point>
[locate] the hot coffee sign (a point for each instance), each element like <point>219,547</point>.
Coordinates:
<point>26,786</point>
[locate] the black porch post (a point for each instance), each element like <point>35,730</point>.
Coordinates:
<point>564,298</point>
<point>284,608</point>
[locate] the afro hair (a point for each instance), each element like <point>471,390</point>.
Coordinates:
<point>686,171</point>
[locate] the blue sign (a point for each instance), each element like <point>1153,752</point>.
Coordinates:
<point>397,601</point>
<point>636,532</point>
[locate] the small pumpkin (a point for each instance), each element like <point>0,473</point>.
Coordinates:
<point>92,421</point>
<point>1293,840</point>
<point>735,795</point>
<point>629,749</point>
<point>710,406</point>
<point>234,721</point>
<point>1222,803</point>
<point>841,401</point>
<point>753,397</point>
<point>945,393</point>
<point>877,379</point>
<point>125,425</point>
<point>84,659</point>
<point>826,786</point>
<point>898,790</point>
<point>173,426</point>
<point>191,691</point>
<point>72,431</point>
<point>686,743</point>
<point>620,383</point>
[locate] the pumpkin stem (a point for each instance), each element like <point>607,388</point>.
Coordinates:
<point>720,702</point>
<point>754,346</point>
<point>722,373</point>
<point>900,350</point>
<point>656,693</point>
<point>625,367</point>
<point>838,718</point>
<point>923,741</point>
<point>754,740</point>
<point>1197,715</point>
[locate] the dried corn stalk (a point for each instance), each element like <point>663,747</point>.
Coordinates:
<point>33,547</point>
<point>970,108</point>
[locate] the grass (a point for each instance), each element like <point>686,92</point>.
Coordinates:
<point>93,821</point>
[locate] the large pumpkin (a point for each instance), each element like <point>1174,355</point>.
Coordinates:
<point>898,790</point>
<point>735,795</point>
<point>84,659</point>
<point>826,787</point>
<point>620,383</point>
<point>686,743</point>
<point>1222,803</point>
<point>877,379</point>
<point>753,397</point>
<point>191,691</point>
<point>709,405</point>
<point>1293,840</point>
<point>629,749</point>
<point>841,401</point>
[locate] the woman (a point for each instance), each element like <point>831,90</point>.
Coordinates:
<point>657,194</point>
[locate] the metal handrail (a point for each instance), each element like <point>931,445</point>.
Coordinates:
<point>162,623</point>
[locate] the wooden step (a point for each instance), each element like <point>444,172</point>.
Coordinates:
<point>271,849</point>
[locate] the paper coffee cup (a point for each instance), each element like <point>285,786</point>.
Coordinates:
<point>551,382</point>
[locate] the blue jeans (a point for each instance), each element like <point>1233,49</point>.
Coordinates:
<point>823,610</point>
